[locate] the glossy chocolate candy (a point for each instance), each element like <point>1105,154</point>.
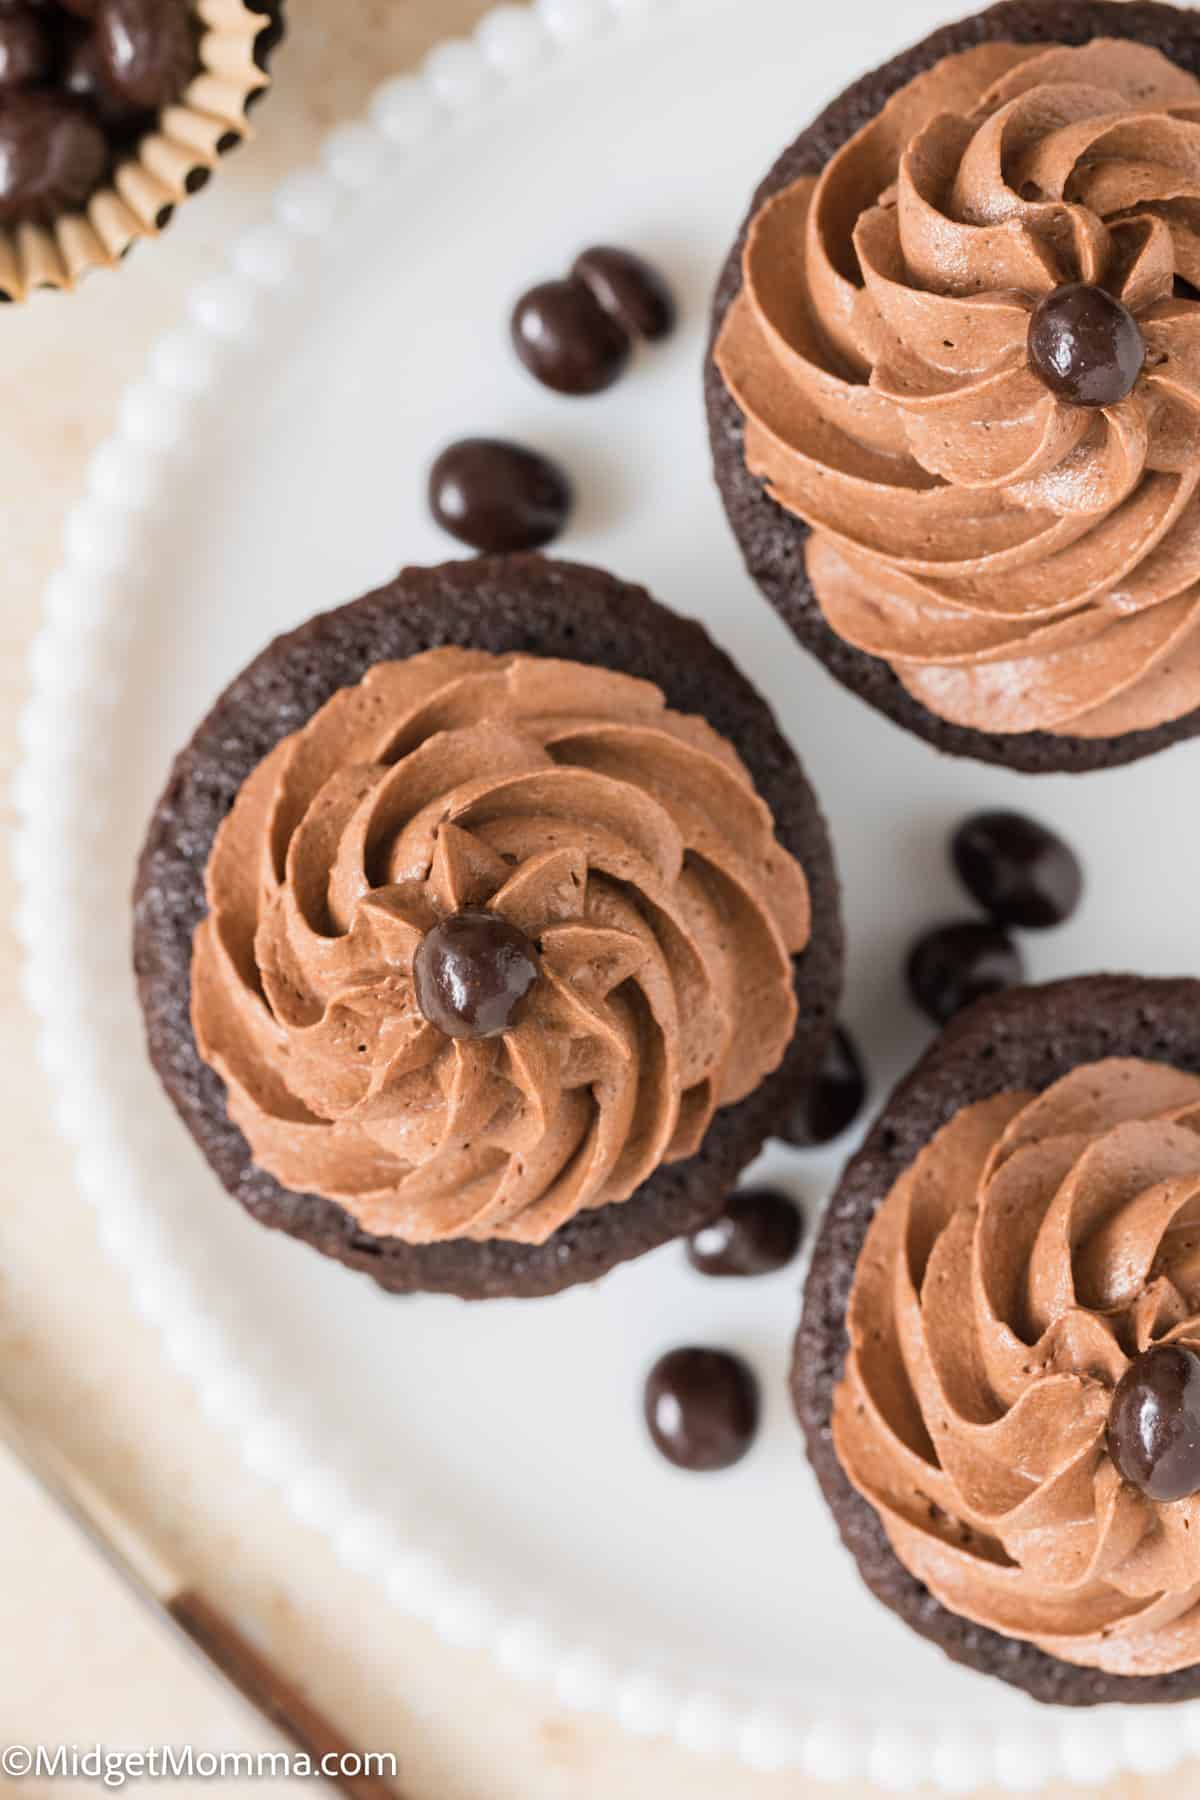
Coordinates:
<point>52,157</point>
<point>954,965</point>
<point>499,496</point>
<point>832,1100</point>
<point>25,51</point>
<point>1154,1423</point>
<point>629,289</point>
<point>145,50</point>
<point>564,336</point>
<point>701,1408</point>
<point>576,335</point>
<point>1021,872</point>
<point>1086,345</point>
<point>471,972</point>
<point>758,1233</point>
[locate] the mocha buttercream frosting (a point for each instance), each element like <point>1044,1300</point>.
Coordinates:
<point>1034,1247</point>
<point>1020,562</point>
<point>626,840</point>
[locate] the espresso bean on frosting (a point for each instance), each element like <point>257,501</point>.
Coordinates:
<point>1086,346</point>
<point>471,973</point>
<point>1154,1423</point>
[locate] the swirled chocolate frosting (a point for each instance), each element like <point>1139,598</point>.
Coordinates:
<point>1032,1250</point>
<point>1020,562</point>
<point>627,841</point>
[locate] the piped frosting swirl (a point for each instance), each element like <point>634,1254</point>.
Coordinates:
<point>1021,563</point>
<point>625,839</point>
<point>1035,1246</point>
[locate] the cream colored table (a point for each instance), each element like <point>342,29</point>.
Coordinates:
<point>78,1661</point>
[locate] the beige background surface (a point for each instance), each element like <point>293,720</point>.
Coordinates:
<point>78,1661</point>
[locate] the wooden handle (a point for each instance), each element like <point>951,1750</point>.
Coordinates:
<point>273,1696</point>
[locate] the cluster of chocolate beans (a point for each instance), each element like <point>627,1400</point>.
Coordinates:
<point>576,337</point>
<point>701,1404</point>
<point>1025,878</point>
<point>80,82</point>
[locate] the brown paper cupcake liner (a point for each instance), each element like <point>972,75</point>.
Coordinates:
<point>169,164</point>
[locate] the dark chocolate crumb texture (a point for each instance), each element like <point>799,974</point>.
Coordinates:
<point>498,605</point>
<point>773,540</point>
<point>1026,1039</point>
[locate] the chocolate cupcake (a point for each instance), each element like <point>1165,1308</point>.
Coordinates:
<point>954,388</point>
<point>486,928</point>
<point>112,113</point>
<point>998,1369</point>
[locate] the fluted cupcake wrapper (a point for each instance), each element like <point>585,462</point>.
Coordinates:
<point>169,165</point>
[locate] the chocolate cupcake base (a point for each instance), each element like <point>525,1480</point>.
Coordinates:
<point>772,541</point>
<point>502,605</point>
<point>1027,1038</point>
